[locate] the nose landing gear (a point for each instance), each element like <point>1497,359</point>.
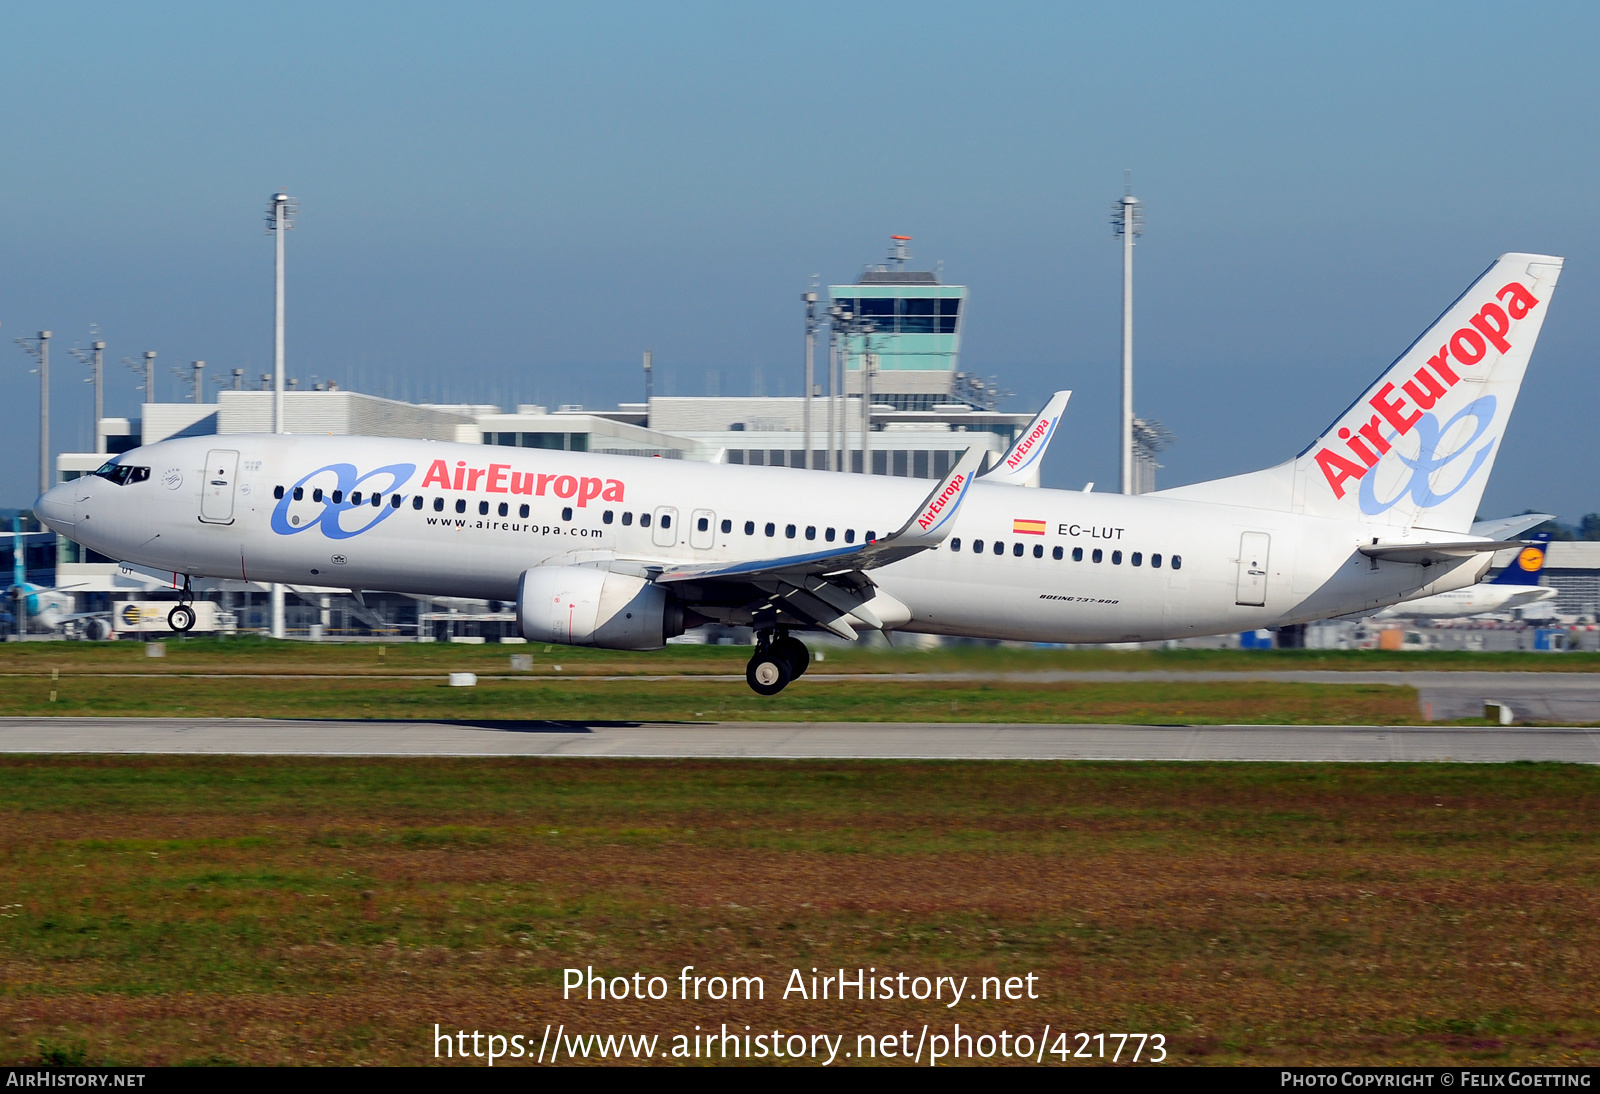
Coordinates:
<point>778,660</point>
<point>181,618</point>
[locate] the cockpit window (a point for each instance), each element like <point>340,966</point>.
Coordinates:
<point>123,474</point>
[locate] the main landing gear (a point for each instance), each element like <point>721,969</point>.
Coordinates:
<point>778,660</point>
<point>181,618</point>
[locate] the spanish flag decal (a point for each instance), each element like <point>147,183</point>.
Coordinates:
<point>1027,527</point>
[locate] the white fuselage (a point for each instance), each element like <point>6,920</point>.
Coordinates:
<point>513,509</point>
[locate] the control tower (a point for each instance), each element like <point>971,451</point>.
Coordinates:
<point>908,326</point>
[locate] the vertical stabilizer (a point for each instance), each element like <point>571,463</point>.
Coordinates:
<point>1416,448</point>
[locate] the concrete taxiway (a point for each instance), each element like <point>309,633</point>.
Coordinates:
<point>776,740</point>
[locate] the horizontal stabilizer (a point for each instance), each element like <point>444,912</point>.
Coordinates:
<point>1426,554</point>
<point>1506,527</point>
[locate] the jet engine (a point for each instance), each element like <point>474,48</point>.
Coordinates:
<point>582,606</point>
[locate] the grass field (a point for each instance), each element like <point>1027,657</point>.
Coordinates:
<point>257,655</point>
<point>300,911</point>
<point>251,677</point>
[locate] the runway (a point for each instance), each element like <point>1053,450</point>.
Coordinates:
<point>775,740</point>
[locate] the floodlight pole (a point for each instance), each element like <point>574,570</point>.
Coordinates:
<point>39,349</point>
<point>1127,222</point>
<point>810,299</point>
<point>99,396</point>
<point>280,218</point>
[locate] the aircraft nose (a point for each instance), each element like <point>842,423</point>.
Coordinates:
<point>58,507</point>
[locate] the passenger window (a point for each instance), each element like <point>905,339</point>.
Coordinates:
<point>566,514</point>
<point>1077,554</point>
<point>771,529</point>
<point>1177,562</point>
<point>644,520</point>
<point>461,505</point>
<point>702,525</point>
<point>788,531</point>
<point>1116,558</point>
<point>828,535</point>
<point>504,510</point>
<point>627,519</point>
<point>727,526</point>
<point>955,544</point>
<point>1017,549</point>
<point>299,493</point>
<point>749,527</point>
<point>1155,562</point>
<point>1038,550</point>
<point>1137,559</point>
<point>438,505</point>
<point>1097,556</point>
<point>522,511</point>
<point>277,491</point>
<point>394,502</point>
<point>316,495</point>
<point>872,537</point>
<point>377,501</point>
<point>977,546</point>
<point>811,531</point>
<point>607,517</point>
<point>338,496</point>
<point>999,548</point>
<point>416,502</point>
<point>483,508</point>
<point>849,535</point>
<point>1056,554</point>
<point>666,519</point>
<point>355,497</point>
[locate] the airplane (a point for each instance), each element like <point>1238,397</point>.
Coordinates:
<point>1514,587</point>
<point>48,607</point>
<point>623,553</point>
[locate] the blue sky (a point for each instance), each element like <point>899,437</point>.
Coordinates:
<point>504,202</point>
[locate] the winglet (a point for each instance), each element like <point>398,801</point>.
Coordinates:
<point>1020,465</point>
<point>932,521</point>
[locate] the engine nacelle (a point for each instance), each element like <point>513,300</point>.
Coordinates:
<point>582,606</point>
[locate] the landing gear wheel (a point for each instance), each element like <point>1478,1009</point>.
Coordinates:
<point>768,672</point>
<point>181,618</point>
<point>794,651</point>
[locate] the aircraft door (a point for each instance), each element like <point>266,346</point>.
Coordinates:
<point>1253,549</point>
<point>703,530</point>
<point>216,496</point>
<point>666,527</point>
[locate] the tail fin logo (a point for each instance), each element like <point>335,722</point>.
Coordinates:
<point>1530,558</point>
<point>1408,409</point>
<point>1020,456</point>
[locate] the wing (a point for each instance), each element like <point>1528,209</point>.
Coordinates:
<point>829,589</point>
<point>1020,465</point>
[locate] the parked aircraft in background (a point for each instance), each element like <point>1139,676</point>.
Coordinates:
<point>1514,587</point>
<point>625,553</point>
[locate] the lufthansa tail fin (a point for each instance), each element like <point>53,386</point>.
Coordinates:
<point>1416,448</point>
<point>1528,565</point>
<point>1020,465</point>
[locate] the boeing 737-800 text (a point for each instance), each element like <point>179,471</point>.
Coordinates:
<point>624,553</point>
